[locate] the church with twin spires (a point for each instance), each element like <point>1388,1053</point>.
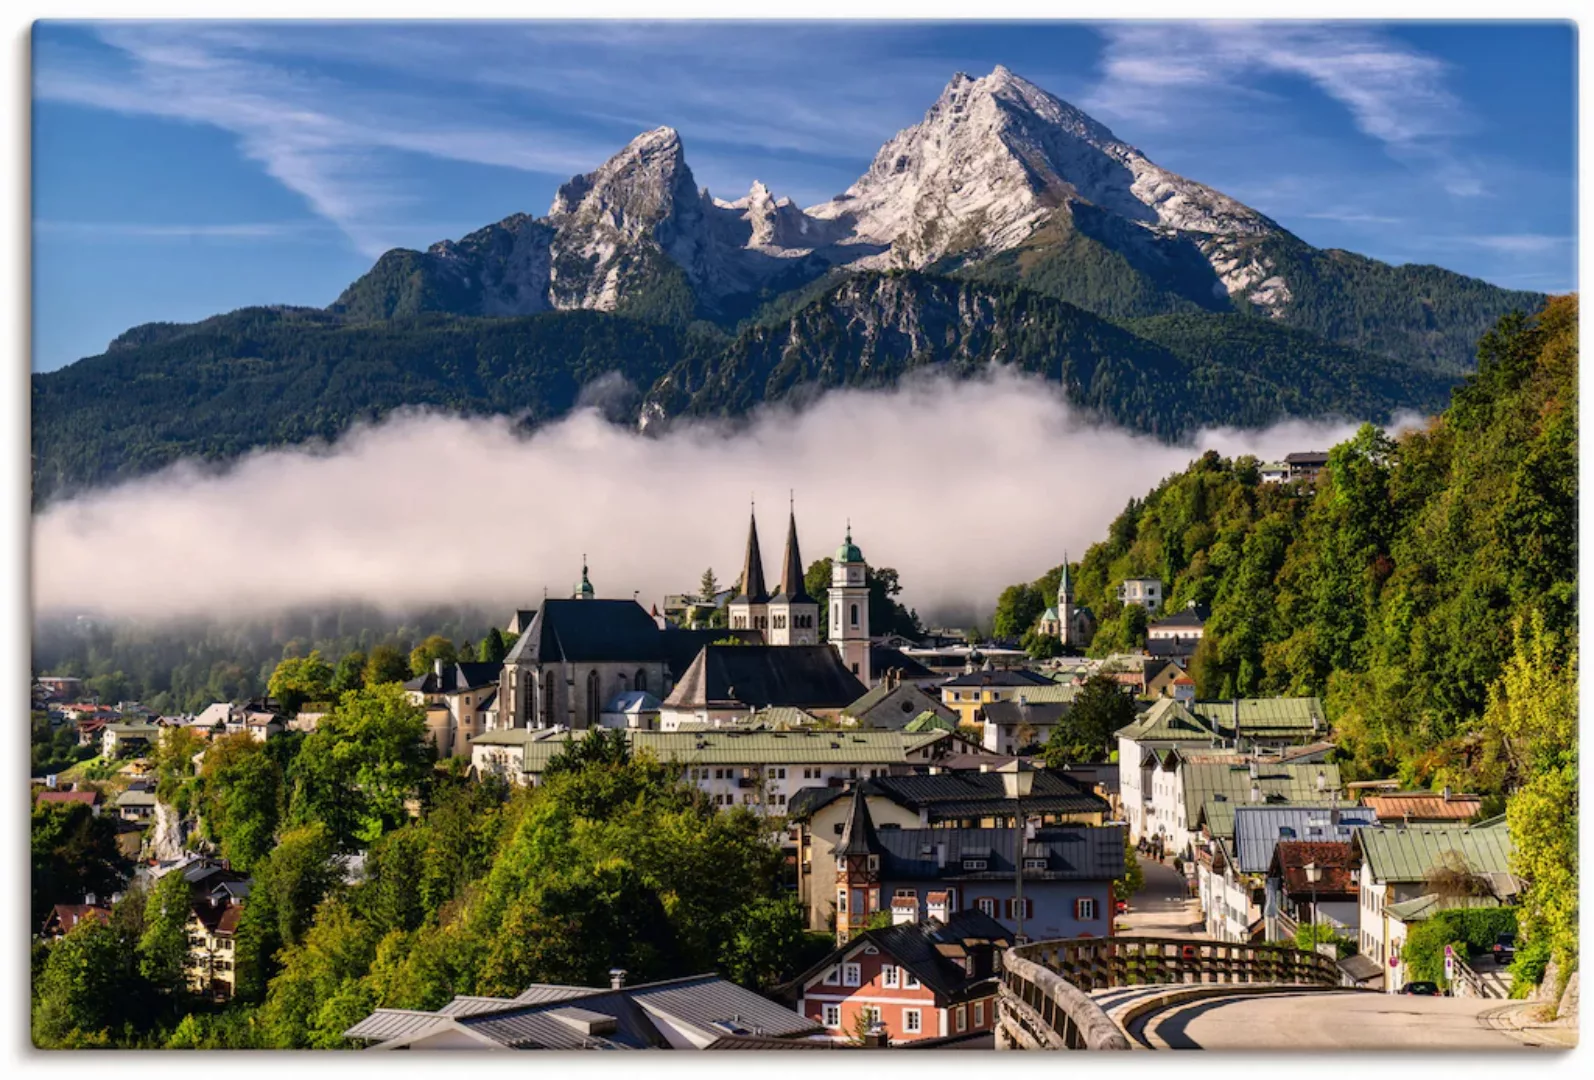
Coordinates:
<point>791,616</point>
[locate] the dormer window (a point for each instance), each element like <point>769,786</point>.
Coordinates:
<point>974,864</point>
<point>1035,864</point>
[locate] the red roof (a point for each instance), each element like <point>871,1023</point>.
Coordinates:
<point>69,915</point>
<point>88,798</point>
<point>1336,861</point>
<point>1423,806</point>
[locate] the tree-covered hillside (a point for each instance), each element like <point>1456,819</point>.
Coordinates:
<point>265,377</point>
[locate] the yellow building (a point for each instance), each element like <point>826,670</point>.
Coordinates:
<point>967,694</point>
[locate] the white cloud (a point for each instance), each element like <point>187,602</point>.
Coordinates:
<point>168,231</point>
<point>1519,243</point>
<point>1393,93</point>
<point>964,488</point>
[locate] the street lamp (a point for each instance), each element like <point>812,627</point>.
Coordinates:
<point>1314,874</point>
<point>1018,777</point>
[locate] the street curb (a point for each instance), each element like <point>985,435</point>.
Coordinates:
<point>1506,1019</point>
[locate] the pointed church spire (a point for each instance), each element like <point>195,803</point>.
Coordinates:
<point>1065,584</point>
<point>791,579</point>
<point>753,589</point>
<point>857,835</point>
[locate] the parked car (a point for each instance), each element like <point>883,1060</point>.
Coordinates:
<point>1123,906</point>
<point>1426,989</point>
<point>1505,948</point>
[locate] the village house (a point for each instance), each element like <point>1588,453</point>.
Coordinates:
<point>757,769</point>
<point>1397,863</point>
<point>123,740</point>
<point>1424,807</point>
<point>1305,465</point>
<point>1177,634</point>
<point>965,798</point>
<point>968,694</point>
<point>1312,883</point>
<point>456,697</point>
<point>1144,592</point>
<point>1068,873</point>
<point>915,980</point>
<point>701,1012</point>
<point>211,965</point>
<point>88,797</point>
<point>893,705</point>
<point>1012,727</point>
<point>135,804</point>
<point>1399,920</point>
<point>63,917</point>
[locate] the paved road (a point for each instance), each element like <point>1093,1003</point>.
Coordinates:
<point>1347,1021</point>
<point>1163,908</point>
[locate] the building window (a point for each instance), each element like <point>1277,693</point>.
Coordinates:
<point>855,614</point>
<point>910,1020</point>
<point>909,981</point>
<point>1012,908</point>
<point>979,1014</point>
<point>832,1017</point>
<point>640,683</point>
<point>592,698</point>
<point>986,905</point>
<point>851,975</point>
<point>888,977</point>
<point>832,975</point>
<point>1085,908</point>
<point>841,900</point>
<point>960,1018</point>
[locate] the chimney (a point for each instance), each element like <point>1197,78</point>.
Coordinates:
<point>876,1038</point>
<point>616,978</point>
<point>1446,793</point>
<point>89,899</point>
<point>437,669</point>
<point>940,854</point>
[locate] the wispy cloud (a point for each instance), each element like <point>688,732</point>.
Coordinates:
<point>1394,93</point>
<point>1351,217</point>
<point>1520,243</point>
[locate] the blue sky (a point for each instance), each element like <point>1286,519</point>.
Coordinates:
<point>186,169</point>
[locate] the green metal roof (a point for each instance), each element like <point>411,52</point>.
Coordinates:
<point>1168,721</point>
<point>1407,854</point>
<point>728,747</point>
<point>1265,715</point>
<point>1042,695</point>
<point>848,551</point>
<point>1296,783</point>
<point>929,721</point>
<point>1423,907</point>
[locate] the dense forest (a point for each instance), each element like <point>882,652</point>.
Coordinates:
<point>261,377</point>
<point>1426,589</point>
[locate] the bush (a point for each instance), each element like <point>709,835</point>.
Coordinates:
<point>1527,970</point>
<point>1470,930</point>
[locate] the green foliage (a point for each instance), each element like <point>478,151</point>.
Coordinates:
<point>436,647</point>
<point>1469,931</point>
<point>350,672</point>
<point>1042,646</point>
<point>1084,733</point>
<point>163,946</point>
<point>298,680</point>
<point>242,798</point>
<point>73,853</point>
<point>386,664</point>
<point>86,986</point>
<point>1017,609</point>
<point>1312,935</point>
<point>1134,878</point>
<point>493,647</point>
<point>54,748</point>
<point>365,759</point>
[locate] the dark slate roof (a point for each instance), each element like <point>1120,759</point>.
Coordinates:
<point>980,794</point>
<point>457,678</point>
<point>858,836</point>
<point>1038,714</point>
<point>1170,648</point>
<point>682,646</point>
<point>590,631</point>
<point>1072,853</point>
<point>1307,457</point>
<point>792,588</point>
<point>752,587</point>
<point>884,658</point>
<point>1005,677</point>
<point>1192,617</point>
<point>760,1042</point>
<point>810,800</point>
<point>737,676</point>
<point>708,1001</point>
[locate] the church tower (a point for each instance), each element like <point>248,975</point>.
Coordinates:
<point>857,870</point>
<point>583,589</point>
<point>749,610</point>
<point>1068,632</point>
<point>849,608</point>
<point>793,614</point>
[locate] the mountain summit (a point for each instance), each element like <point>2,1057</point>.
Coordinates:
<point>1000,181</point>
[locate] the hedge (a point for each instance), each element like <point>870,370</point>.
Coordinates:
<point>1471,930</point>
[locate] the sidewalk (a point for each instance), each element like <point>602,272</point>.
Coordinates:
<point>1517,1020</point>
<point>1163,908</point>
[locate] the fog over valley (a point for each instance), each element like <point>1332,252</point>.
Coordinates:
<point>963,487</point>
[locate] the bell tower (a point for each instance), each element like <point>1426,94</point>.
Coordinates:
<point>858,857</point>
<point>793,614</point>
<point>849,608</point>
<point>749,610</point>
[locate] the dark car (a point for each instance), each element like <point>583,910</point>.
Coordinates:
<point>1426,989</point>
<point>1504,948</point>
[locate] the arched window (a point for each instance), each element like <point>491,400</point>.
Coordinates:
<point>641,682</point>
<point>592,698</point>
<point>855,614</point>
<point>547,700</point>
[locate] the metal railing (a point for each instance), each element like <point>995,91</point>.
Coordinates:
<point>1044,1003</point>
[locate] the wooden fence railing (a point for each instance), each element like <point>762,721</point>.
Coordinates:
<point>1044,1001</point>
